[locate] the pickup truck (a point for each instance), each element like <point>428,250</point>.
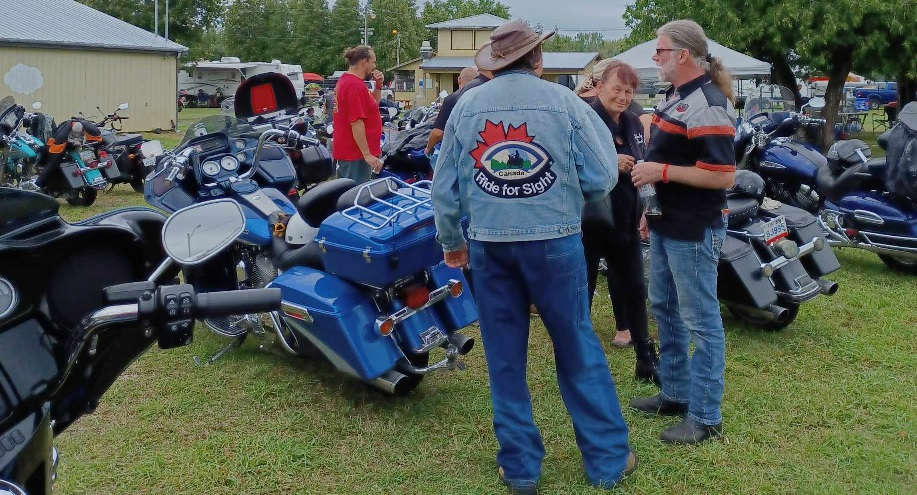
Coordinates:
<point>873,98</point>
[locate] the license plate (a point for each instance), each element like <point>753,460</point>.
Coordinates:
<point>87,156</point>
<point>149,161</point>
<point>775,230</point>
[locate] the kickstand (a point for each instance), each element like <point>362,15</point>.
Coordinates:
<point>228,347</point>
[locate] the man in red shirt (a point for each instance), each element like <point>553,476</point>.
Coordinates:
<point>357,123</point>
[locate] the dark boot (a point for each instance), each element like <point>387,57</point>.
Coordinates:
<point>690,432</point>
<point>659,406</point>
<point>647,368</point>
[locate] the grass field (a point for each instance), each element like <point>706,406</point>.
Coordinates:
<point>826,406</point>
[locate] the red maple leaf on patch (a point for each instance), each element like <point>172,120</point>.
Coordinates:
<point>494,134</point>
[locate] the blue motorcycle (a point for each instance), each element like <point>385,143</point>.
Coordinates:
<point>363,282</point>
<point>847,194</point>
<point>20,151</point>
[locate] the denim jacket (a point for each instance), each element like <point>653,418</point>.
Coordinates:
<point>520,157</point>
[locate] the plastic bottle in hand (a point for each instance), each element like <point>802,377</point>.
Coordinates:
<point>650,200</point>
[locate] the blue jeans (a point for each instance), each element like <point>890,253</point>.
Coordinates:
<point>508,277</point>
<point>683,301</point>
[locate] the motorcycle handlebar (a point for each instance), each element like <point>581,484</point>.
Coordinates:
<point>238,302</point>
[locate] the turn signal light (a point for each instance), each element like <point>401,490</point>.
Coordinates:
<point>386,327</point>
<point>456,289</point>
<point>767,271</point>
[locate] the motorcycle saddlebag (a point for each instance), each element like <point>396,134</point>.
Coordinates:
<point>740,278</point>
<point>316,165</point>
<point>803,228</point>
<point>377,257</point>
<point>72,174</point>
<point>110,169</point>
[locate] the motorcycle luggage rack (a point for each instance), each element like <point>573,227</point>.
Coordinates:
<point>416,196</point>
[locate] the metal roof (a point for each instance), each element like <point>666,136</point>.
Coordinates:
<point>480,21</point>
<point>553,61</point>
<point>69,24</point>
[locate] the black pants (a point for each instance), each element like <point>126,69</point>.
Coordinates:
<point>625,279</point>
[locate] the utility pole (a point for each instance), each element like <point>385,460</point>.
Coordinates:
<point>397,50</point>
<point>167,19</point>
<point>156,17</point>
<point>367,14</point>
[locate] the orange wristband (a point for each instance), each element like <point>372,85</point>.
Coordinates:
<point>665,173</point>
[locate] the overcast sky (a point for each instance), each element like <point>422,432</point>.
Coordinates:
<point>570,16</point>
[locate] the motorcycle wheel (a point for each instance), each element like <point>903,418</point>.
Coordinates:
<point>82,197</point>
<point>137,184</point>
<point>763,322</point>
<point>904,265</point>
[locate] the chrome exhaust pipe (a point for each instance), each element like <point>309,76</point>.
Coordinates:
<point>392,382</point>
<point>772,312</point>
<point>827,287</point>
<point>463,343</point>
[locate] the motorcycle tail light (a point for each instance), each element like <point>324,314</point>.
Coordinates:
<point>456,289</point>
<point>292,192</point>
<point>103,154</point>
<point>77,172</point>
<point>416,296</point>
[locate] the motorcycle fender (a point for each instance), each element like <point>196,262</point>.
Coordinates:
<point>25,452</point>
<point>739,277</point>
<point>338,319</point>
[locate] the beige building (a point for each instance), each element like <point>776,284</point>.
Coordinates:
<point>73,59</point>
<point>419,81</point>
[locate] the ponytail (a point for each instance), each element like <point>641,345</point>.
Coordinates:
<point>721,77</point>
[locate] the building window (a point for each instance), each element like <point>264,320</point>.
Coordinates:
<point>568,80</point>
<point>404,81</point>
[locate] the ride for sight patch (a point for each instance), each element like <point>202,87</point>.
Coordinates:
<point>509,164</point>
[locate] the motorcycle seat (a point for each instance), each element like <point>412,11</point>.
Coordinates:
<point>129,140</point>
<point>835,185</point>
<point>741,210</point>
<point>309,255</point>
<point>878,168</point>
<point>321,201</point>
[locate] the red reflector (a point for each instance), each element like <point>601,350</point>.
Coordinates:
<point>77,173</point>
<point>851,232</point>
<point>292,192</point>
<point>93,165</point>
<point>102,154</point>
<point>416,296</point>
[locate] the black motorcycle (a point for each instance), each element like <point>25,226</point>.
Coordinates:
<point>82,301</point>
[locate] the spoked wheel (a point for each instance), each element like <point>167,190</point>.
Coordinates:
<point>84,196</point>
<point>900,263</point>
<point>761,321</point>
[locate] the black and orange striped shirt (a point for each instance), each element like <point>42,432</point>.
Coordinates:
<point>694,127</point>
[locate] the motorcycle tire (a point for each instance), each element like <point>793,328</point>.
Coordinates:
<point>903,265</point>
<point>137,185</point>
<point>763,322</point>
<point>82,197</point>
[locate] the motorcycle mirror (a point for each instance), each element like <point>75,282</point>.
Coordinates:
<point>817,103</point>
<point>152,148</point>
<point>36,105</point>
<point>443,94</point>
<point>7,488</point>
<point>329,129</point>
<point>122,106</point>
<point>392,112</point>
<point>194,234</point>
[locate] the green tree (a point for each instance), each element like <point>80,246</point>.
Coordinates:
<point>187,18</point>
<point>258,30</point>
<point>830,37</point>
<point>345,29</point>
<point>310,44</point>
<point>580,42</point>
<point>394,20</point>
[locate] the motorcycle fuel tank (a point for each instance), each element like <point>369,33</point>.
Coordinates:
<point>791,160</point>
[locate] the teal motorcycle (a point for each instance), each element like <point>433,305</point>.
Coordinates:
<point>22,139</point>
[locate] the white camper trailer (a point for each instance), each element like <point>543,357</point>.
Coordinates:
<point>226,75</point>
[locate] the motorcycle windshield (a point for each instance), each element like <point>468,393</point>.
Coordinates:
<point>226,124</point>
<point>768,99</point>
<point>10,113</point>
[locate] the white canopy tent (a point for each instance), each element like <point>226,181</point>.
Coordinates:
<point>740,65</point>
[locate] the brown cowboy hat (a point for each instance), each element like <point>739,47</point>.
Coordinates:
<point>508,43</point>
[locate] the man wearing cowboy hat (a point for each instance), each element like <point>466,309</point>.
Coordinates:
<point>520,157</point>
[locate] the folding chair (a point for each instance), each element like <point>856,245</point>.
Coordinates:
<point>891,115</point>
